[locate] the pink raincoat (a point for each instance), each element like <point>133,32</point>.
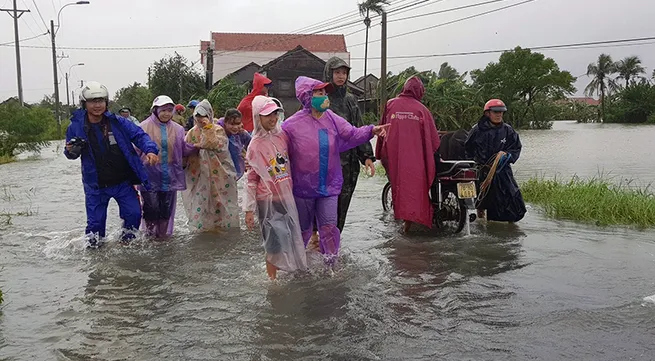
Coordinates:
<point>269,192</point>
<point>408,151</point>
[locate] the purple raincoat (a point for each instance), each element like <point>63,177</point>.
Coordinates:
<point>315,145</point>
<point>168,174</point>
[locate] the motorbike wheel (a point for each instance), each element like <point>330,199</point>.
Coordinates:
<point>387,200</point>
<point>451,218</point>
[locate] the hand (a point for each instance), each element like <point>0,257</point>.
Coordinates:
<point>370,166</point>
<point>152,159</point>
<point>250,220</point>
<point>69,147</point>
<point>381,130</point>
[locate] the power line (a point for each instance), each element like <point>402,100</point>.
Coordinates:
<point>571,46</point>
<point>448,23</point>
<point>21,40</point>
<point>447,10</point>
<point>39,12</point>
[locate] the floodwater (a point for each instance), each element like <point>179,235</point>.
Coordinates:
<point>538,290</point>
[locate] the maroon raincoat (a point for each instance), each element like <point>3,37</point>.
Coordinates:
<point>407,152</point>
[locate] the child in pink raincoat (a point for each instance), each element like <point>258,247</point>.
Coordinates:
<point>269,191</point>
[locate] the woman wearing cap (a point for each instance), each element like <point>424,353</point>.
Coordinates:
<point>167,176</point>
<point>269,191</point>
<point>316,138</point>
<point>490,138</point>
<point>210,201</point>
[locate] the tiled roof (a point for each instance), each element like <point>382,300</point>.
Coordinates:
<point>316,43</point>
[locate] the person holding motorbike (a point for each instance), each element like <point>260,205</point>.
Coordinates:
<point>495,145</point>
<point>110,164</point>
<point>408,152</point>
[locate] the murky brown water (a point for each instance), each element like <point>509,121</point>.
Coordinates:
<point>541,290</point>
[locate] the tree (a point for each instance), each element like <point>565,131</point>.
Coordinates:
<point>173,76</point>
<point>225,95</point>
<point>136,97</point>
<point>23,129</point>
<point>365,9</point>
<point>447,72</point>
<point>601,71</point>
<point>630,69</point>
<point>634,104</point>
<point>525,81</point>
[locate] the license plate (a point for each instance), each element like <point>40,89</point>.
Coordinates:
<point>466,190</point>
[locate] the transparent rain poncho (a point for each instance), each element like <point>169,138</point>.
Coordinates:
<point>269,193</point>
<point>210,200</point>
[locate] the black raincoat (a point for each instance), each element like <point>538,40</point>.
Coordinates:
<point>345,105</point>
<point>504,201</point>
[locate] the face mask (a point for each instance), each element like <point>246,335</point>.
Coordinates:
<point>320,103</point>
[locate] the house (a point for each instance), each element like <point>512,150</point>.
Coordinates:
<point>585,100</point>
<point>234,50</point>
<point>244,74</point>
<point>371,81</point>
<point>284,70</point>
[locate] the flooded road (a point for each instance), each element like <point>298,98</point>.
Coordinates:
<point>539,290</point>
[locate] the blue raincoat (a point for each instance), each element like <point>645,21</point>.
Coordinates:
<point>97,199</point>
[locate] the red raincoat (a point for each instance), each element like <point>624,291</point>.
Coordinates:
<point>245,107</point>
<point>407,152</point>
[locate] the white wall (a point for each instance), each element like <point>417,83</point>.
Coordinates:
<point>231,61</point>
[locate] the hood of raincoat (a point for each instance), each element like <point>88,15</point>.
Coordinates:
<point>335,63</point>
<point>305,90</point>
<point>258,104</point>
<point>413,88</point>
<point>205,108</point>
<point>258,83</point>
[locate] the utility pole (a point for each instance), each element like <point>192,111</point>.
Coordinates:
<point>383,60</point>
<point>209,70</point>
<point>68,101</point>
<point>54,75</point>
<point>15,14</point>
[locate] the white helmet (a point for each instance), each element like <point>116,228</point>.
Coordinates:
<point>161,100</point>
<point>94,90</point>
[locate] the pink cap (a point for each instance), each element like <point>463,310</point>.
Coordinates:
<point>269,108</point>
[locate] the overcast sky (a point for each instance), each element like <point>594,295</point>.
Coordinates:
<point>141,23</point>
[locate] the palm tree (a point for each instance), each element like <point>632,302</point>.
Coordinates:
<point>365,9</point>
<point>601,82</point>
<point>630,69</point>
<point>447,72</point>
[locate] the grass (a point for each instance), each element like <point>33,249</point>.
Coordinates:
<point>6,159</point>
<point>594,200</point>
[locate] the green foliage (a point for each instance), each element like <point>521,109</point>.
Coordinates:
<point>370,118</point>
<point>137,97</point>
<point>453,103</point>
<point>173,76</point>
<point>630,69</point>
<point>580,112</point>
<point>1,299</point>
<point>23,128</point>
<point>634,104</point>
<point>595,200</point>
<point>523,79</point>
<point>447,72</point>
<point>225,95</point>
<point>375,6</point>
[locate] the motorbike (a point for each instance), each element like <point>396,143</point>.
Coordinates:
<point>453,195</point>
